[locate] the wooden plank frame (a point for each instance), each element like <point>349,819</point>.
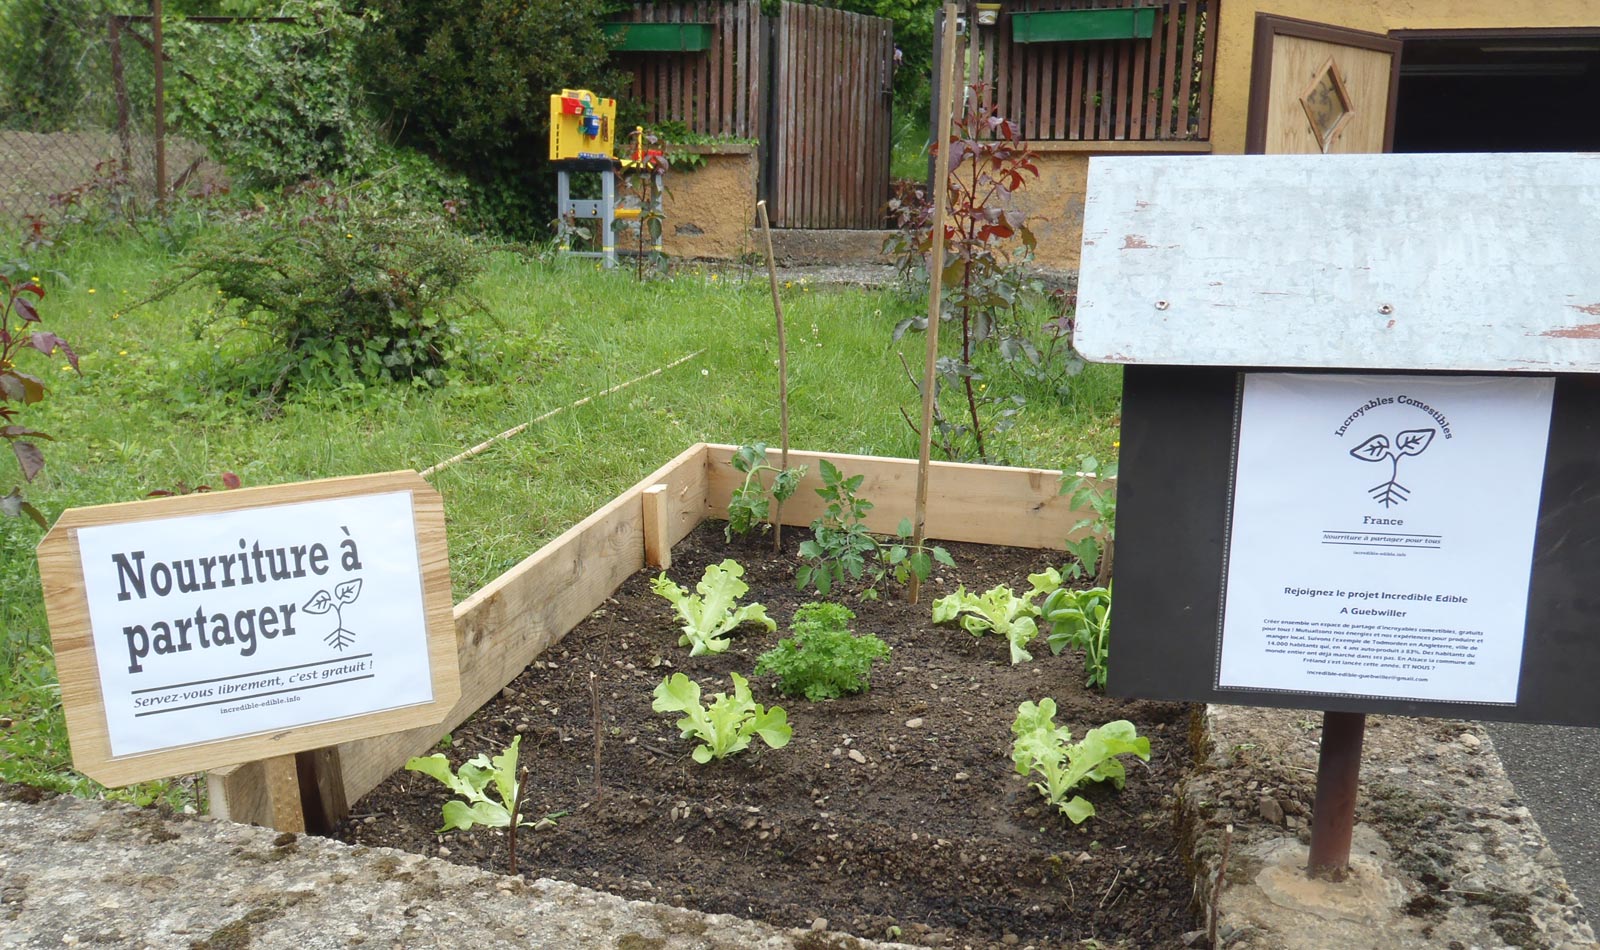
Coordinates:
<point>516,617</point>
<point>64,594</point>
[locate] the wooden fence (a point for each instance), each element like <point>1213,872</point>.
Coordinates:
<point>718,91</point>
<point>831,127</point>
<point>1153,89</point>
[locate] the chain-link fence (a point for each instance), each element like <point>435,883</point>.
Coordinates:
<point>77,115</point>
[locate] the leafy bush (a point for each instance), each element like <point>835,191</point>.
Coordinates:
<point>728,724</point>
<point>341,285</point>
<point>469,82</point>
<point>709,614</point>
<point>277,102</point>
<point>823,660</point>
<point>1041,746</point>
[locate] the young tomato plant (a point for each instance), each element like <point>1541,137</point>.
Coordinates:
<point>1095,549</point>
<point>710,613</point>
<point>471,782</point>
<point>1043,747</point>
<point>840,543</point>
<point>749,504</point>
<point>19,297</point>
<point>725,726</point>
<point>823,660</point>
<point>904,560</point>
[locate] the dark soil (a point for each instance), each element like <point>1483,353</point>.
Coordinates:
<point>895,812</point>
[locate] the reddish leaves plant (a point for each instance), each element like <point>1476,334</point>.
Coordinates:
<point>18,388</point>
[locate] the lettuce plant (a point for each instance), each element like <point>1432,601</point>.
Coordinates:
<point>710,613</point>
<point>1082,619</point>
<point>998,609</point>
<point>725,726</point>
<point>823,660</point>
<point>1043,747</point>
<point>476,775</point>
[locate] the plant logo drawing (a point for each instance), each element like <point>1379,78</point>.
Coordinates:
<point>342,596</point>
<point>1377,448</point>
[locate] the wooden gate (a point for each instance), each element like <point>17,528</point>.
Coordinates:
<point>829,132</point>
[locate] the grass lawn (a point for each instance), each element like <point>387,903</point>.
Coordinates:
<point>157,406</point>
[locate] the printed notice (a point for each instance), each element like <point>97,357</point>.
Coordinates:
<point>233,623</point>
<point>1382,535</point>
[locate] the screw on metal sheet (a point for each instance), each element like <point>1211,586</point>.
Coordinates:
<point>1162,305</point>
<point>1386,310</point>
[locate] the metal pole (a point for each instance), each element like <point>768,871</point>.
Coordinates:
<point>1333,813</point>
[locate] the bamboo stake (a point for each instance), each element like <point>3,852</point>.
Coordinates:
<point>947,68</point>
<point>783,378</point>
<point>486,444</point>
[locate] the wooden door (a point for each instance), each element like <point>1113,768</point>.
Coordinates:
<point>1319,88</point>
<point>830,122</point>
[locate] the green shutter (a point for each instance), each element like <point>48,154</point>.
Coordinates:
<point>1070,26</point>
<point>658,37</point>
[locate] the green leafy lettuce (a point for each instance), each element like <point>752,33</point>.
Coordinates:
<point>1043,747</point>
<point>476,775</point>
<point>725,726</point>
<point>711,613</point>
<point>998,609</point>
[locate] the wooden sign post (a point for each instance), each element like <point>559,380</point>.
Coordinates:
<point>253,625</point>
<point>1358,415</point>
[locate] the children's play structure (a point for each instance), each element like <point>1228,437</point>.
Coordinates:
<point>582,138</point>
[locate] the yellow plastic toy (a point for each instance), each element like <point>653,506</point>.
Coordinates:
<point>582,126</point>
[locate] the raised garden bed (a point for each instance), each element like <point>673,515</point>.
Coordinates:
<point>893,813</point>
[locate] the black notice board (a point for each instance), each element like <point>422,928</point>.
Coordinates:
<point>1178,444</point>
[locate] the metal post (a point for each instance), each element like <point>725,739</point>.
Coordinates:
<point>119,86</point>
<point>608,217</point>
<point>1333,813</point>
<point>564,207</point>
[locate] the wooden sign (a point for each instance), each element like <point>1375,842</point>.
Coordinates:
<point>205,630</point>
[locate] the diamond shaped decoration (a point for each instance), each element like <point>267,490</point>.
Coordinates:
<point>1327,104</point>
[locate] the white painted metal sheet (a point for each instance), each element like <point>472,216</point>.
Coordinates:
<point>1443,262</point>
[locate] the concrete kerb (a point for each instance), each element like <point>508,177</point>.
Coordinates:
<point>1446,856</point>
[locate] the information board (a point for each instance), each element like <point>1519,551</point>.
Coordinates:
<point>1530,544</point>
<point>205,630</point>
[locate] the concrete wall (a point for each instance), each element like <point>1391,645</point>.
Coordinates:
<point>710,209</point>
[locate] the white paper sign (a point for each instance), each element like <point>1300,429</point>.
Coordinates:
<point>213,626</point>
<point>1382,535</point>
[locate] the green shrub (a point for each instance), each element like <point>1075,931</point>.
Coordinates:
<point>469,81</point>
<point>823,660</point>
<point>276,102</point>
<point>343,286</point>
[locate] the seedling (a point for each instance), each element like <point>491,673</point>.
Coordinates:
<point>998,609</point>
<point>840,542</point>
<point>725,726</point>
<point>749,505</point>
<point>1081,619</point>
<point>1043,747</point>
<point>710,614</point>
<point>477,775</point>
<point>1093,551</point>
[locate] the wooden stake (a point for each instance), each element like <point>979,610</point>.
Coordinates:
<point>657,547</point>
<point>783,377</point>
<point>283,793</point>
<point>947,68</point>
